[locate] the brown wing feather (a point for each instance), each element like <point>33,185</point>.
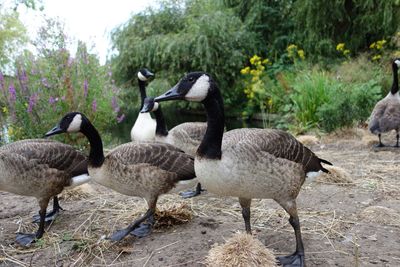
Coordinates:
<point>163,156</point>
<point>52,153</point>
<point>275,142</point>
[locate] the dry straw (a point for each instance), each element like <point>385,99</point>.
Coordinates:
<point>241,250</point>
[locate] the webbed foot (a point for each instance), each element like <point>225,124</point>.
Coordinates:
<point>379,145</point>
<point>120,234</point>
<point>294,260</point>
<point>144,229</point>
<point>25,239</point>
<point>192,193</point>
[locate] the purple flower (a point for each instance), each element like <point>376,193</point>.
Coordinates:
<point>12,92</point>
<point>70,61</point>
<point>23,78</point>
<point>85,88</point>
<point>45,83</point>
<point>120,118</point>
<point>94,105</point>
<point>1,81</point>
<point>63,98</point>
<point>52,100</point>
<point>114,104</point>
<point>32,102</point>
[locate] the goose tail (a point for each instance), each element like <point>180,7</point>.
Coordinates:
<point>326,162</point>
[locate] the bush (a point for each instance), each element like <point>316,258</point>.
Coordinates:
<point>348,105</point>
<point>47,86</point>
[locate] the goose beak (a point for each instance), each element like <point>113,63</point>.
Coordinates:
<point>171,94</point>
<point>149,74</point>
<point>146,107</point>
<point>54,131</point>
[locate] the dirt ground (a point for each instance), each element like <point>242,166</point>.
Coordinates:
<point>357,224</point>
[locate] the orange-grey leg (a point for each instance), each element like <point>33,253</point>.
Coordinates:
<point>297,258</point>
<point>245,204</point>
<point>51,216</point>
<point>27,239</point>
<point>397,140</point>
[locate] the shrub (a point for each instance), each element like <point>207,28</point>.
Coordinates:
<point>47,86</point>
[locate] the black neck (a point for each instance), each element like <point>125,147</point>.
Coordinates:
<point>161,128</point>
<point>395,84</point>
<point>96,155</point>
<point>142,88</point>
<point>210,146</point>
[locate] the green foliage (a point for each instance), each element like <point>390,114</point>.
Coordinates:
<point>310,91</point>
<point>47,86</point>
<point>201,36</point>
<point>320,25</point>
<point>12,36</point>
<point>348,105</point>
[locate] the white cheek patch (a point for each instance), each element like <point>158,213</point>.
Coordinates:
<point>75,124</point>
<point>199,90</point>
<point>141,76</point>
<point>397,61</point>
<point>155,107</point>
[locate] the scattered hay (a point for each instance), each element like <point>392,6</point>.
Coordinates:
<point>308,140</point>
<point>336,175</point>
<point>380,215</point>
<point>370,140</point>
<point>171,215</point>
<point>80,192</point>
<point>241,250</point>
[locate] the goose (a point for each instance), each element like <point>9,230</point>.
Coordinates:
<point>185,136</point>
<point>42,169</point>
<point>143,169</point>
<point>247,163</point>
<point>145,126</point>
<point>386,114</point>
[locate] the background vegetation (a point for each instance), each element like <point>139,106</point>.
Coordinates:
<point>308,64</point>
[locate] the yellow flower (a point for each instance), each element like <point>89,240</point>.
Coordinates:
<point>301,54</point>
<point>251,95</point>
<point>373,45</point>
<point>265,61</point>
<point>291,47</point>
<point>255,79</point>
<point>245,70</point>
<point>5,110</point>
<point>269,102</point>
<point>376,57</point>
<point>340,46</point>
<point>254,72</point>
<point>255,59</point>
<point>346,52</point>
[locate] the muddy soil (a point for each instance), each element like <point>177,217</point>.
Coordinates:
<point>337,229</point>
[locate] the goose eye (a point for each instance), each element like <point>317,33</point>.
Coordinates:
<point>191,79</point>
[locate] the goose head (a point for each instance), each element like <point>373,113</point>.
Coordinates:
<point>70,123</point>
<point>144,75</point>
<point>396,63</point>
<point>194,86</point>
<point>149,105</point>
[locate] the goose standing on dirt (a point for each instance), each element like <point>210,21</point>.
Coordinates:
<point>142,169</point>
<point>386,113</point>
<point>185,136</point>
<point>247,163</point>
<point>40,168</point>
<point>145,126</point>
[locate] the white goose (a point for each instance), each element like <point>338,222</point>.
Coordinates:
<point>145,127</point>
<point>247,163</point>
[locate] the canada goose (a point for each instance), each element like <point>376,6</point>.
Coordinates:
<point>40,168</point>
<point>142,169</point>
<point>247,163</point>
<point>386,114</point>
<point>145,126</point>
<point>185,136</point>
